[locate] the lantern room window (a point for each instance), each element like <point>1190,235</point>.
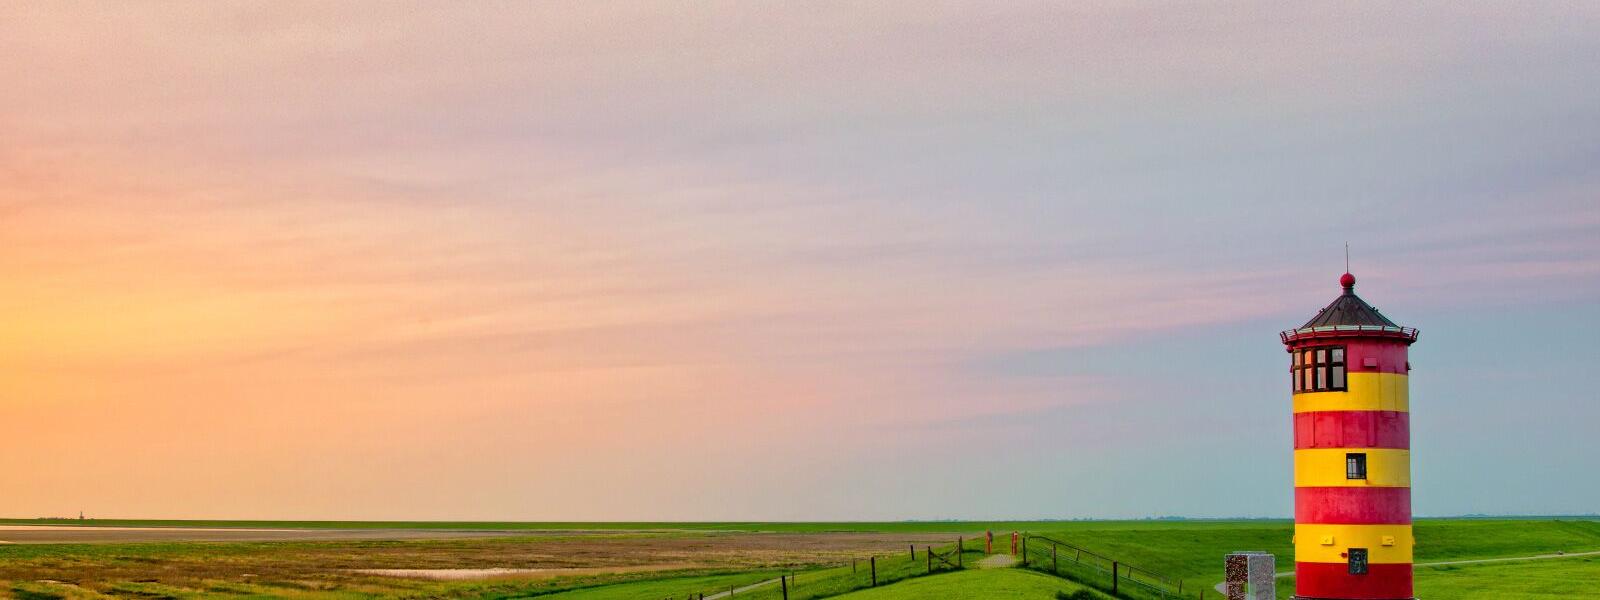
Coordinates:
<point>1319,369</point>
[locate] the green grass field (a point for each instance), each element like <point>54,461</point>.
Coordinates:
<point>671,587</point>
<point>991,584</point>
<point>1533,580</point>
<point>804,584</point>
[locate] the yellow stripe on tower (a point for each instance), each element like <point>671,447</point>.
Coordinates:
<point>1367,391</point>
<point>1385,544</point>
<point>1325,467</point>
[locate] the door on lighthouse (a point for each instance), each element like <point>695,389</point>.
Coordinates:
<point>1358,561</point>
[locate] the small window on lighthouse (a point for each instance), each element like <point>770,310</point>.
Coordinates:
<point>1355,465</point>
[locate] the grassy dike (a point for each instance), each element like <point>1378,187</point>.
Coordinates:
<point>1558,579</point>
<point>991,584</point>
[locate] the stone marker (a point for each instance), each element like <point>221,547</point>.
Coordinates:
<point>1251,576</point>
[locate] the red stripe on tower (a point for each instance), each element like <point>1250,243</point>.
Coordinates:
<point>1353,505</point>
<point>1352,429</point>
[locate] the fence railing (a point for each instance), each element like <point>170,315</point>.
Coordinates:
<point>847,575</point>
<point>1061,558</point>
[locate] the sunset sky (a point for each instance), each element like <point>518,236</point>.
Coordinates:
<point>729,261</point>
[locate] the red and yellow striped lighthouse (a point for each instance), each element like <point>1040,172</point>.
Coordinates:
<point>1352,452</point>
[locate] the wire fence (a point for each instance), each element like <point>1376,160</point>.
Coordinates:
<point>1037,552</point>
<point>1060,558</point>
<point>851,574</point>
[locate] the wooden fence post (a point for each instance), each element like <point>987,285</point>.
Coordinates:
<point>874,571</point>
<point>1113,577</point>
<point>1024,551</point>
<point>1055,565</point>
<point>913,548</point>
<point>785,583</point>
<point>930,558</point>
<point>959,548</point>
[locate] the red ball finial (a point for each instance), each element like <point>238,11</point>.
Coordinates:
<point>1347,280</point>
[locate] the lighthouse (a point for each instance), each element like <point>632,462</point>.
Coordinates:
<point>1349,373</point>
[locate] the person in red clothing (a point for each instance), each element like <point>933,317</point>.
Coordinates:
<point>988,542</point>
<point>1013,543</point>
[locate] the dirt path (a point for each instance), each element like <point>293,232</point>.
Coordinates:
<point>737,591</point>
<point>997,561</point>
<point>1476,561</point>
<point>1492,560</point>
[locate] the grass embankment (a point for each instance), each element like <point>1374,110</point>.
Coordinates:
<point>892,570</point>
<point>672,587</point>
<point>1562,579</point>
<point>990,584</point>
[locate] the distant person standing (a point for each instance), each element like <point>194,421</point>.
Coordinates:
<point>1013,543</point>
<point>988,542</point>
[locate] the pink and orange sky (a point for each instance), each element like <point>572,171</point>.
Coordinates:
<point>747,261</point>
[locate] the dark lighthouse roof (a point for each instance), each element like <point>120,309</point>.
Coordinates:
<point>1348,309</point>
<point>1349,315</point>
